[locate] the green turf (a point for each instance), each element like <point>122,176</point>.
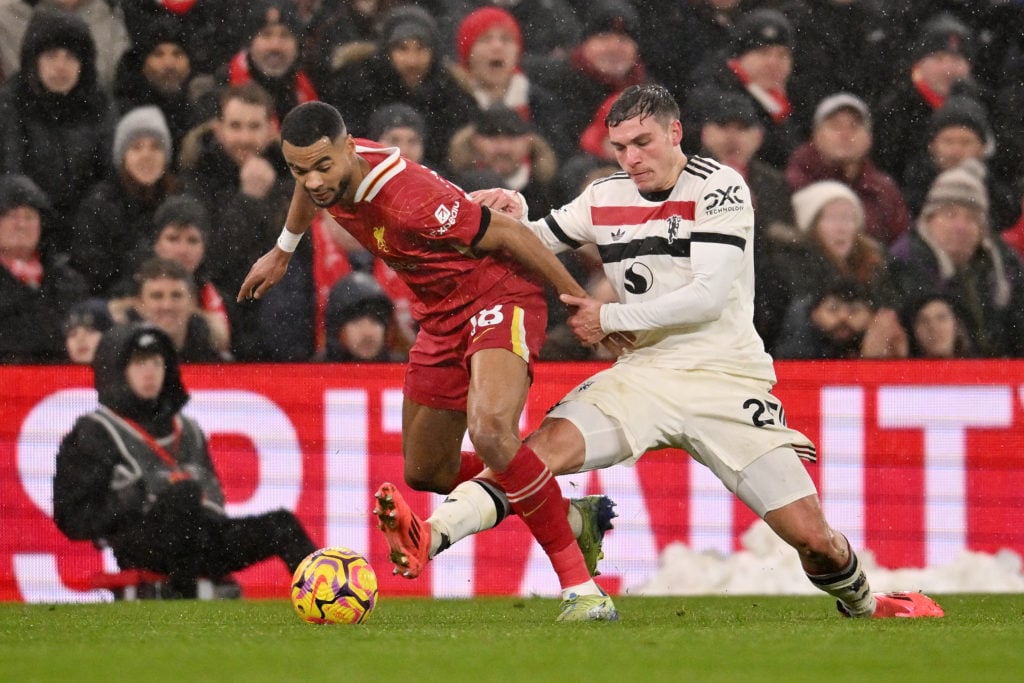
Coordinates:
<point>658,639</point>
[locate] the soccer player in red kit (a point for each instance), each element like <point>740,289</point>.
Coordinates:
<point>476,277</point>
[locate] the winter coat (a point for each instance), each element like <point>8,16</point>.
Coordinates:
<point>885,212</point>
<point>583,92</point>
<point>362,87</point>
<point>112,224</point>
<point>987,293</point>
<point>108,475</point>
<point>31,319</point>
<point>280,326</point>
<point>713,78</point>
<point>540,190</point>
<point>840,47</point>
<point>62,142</point>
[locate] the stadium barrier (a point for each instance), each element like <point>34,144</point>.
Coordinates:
<point>918,461</point>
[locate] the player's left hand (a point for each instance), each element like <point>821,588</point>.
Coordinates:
<point>585,320</point>
<point>264,274</point>
<point>508,202</point>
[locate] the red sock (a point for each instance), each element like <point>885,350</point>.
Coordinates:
<point>470,466</point>
<point>536,498</point>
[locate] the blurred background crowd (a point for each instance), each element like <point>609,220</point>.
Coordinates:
<point>141,172</point>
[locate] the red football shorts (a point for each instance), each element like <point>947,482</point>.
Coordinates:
<point>438,372</point>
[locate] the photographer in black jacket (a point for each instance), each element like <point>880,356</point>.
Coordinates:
<point>136,475</point>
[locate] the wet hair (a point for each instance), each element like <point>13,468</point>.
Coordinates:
<point>643,101</point>
<point>307,123</point>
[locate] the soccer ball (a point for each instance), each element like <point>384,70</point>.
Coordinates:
<point>334,586</point>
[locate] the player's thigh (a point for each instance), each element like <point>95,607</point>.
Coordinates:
<point>576,436</point>
<point>775,482</point>
<point>498,384</point>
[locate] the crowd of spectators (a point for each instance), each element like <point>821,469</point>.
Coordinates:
<point>141,171</point>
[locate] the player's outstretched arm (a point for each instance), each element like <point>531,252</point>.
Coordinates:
<point>509,235</point>
<point>271,267</point>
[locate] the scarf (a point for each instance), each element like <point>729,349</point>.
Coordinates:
<point>28,271</point>
<point>774,102</point>
<point>934,99</point>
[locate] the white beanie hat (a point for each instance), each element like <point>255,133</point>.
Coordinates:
<point>963,184</point>
<point>139,122</point>
<point>809,201</point>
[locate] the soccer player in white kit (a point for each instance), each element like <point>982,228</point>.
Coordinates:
<point>675,235</point>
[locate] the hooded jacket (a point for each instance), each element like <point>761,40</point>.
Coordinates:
<point>109,475</point>
<point>61,141</point>
<point>356,295</point>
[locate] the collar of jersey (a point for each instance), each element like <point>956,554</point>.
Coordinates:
<point>659,196</point>
<point>379,174</point>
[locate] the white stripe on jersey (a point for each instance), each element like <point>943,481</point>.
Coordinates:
<point>645,244</point>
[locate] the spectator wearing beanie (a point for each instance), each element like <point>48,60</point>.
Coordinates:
<point>65,115</point>
<point>828,244</point>
<point>407,66</point>
<point>212,29</point>
<point>732,134</point>
<point>158,71</point>
<point>840,149</point>
<point>953,251</point>
<point>489,45</point>
<point>105,22</point>
<point>939,65</point>
<point>103,18</point>
<point>957,131</point>
<point>359,322</point>
<point>181,228</point>
<point>606,61</point>
<point>84,326</point>
<point>270,56</point>
<point>399,125</point>
<point>550,27</point>
<point>758,66</point>
<point>36,288</point>
<point>116,215</point>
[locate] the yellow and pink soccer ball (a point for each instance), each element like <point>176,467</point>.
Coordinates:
<point>334,586</point>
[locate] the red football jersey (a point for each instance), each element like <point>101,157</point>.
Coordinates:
<point>424,227</point>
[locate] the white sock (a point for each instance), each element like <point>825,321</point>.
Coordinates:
<point>588,588</point>
<point>575,521</point>
<point>470,508</point>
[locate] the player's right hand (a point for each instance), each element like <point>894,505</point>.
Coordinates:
<point>264,274</point>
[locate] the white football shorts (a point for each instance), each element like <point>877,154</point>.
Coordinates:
<point>732,425</point>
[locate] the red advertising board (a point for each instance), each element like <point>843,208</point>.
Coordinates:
<point>918,461</point>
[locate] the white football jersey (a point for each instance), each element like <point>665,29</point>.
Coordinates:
<point>646,241</point>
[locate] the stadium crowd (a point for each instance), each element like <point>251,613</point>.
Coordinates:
<point>141,172</point>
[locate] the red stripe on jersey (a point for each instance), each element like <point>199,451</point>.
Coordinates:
<point>618,216</point>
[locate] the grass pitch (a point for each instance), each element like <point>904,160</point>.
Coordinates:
<point>506,639</point>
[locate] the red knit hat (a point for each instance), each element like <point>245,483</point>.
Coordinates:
<point>476,23</point>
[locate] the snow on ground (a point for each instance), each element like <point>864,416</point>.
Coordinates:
<point>767,566</point>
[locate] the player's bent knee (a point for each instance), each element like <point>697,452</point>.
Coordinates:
<point>433,481</point>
